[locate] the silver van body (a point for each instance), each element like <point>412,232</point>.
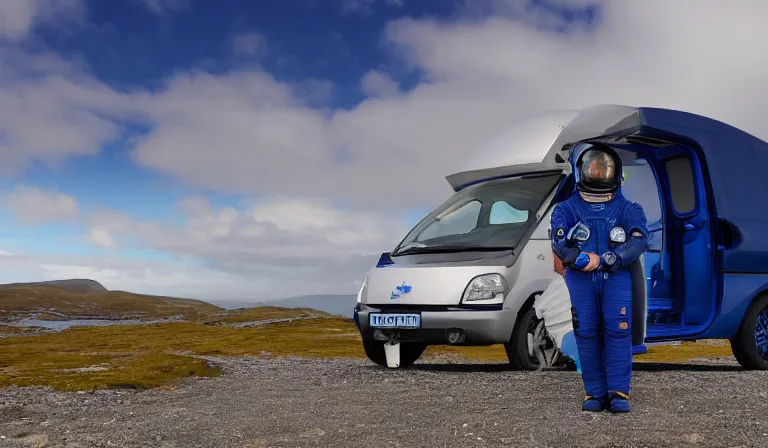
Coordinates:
<point>477,291</point>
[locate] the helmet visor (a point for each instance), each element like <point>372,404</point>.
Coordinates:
<point>598,170</point>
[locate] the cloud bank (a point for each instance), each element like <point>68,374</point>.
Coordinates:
<point>331,188</point>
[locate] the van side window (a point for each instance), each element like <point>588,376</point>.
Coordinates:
<point>503,213</point>
<point>681,184</point>
<point>456,222</point>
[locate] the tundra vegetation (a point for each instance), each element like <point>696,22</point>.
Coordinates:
<point>159,354</point>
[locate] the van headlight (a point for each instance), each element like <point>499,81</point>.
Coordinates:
<point>486,287</point>
<point>363,290</point>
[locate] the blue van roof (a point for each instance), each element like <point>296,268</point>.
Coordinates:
<point>736,160</point>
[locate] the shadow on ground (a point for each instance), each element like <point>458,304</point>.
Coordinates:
<point>503,367</point>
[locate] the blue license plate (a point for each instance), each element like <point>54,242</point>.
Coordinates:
<point>395,320</point>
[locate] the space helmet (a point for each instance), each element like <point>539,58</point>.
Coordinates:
<point>598,170</point>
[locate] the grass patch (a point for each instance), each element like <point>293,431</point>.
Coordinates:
<point>147,356</point>
<point>687,351</point>
<point>491,353</point>
<point>143,356</point>
<point>10,329</point>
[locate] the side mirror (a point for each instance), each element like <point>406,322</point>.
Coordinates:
<point>384,260</point>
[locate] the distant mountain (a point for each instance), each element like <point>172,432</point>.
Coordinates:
<point>336,304</point>
<point>81,298</point>
<point>231,304</point>
<point>76,285</point>
<point>339,305</point>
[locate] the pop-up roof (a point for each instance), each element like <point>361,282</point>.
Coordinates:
<point>734,163</point>
<point>531,145</point>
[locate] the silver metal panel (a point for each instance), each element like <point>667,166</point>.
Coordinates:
<point>436,285</point>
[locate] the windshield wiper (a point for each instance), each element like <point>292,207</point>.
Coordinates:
<point>442,249</point>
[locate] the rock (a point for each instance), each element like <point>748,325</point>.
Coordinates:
<point>36,441</point>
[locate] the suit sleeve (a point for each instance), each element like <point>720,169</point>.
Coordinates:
<point>558,265</point>
<point>562,220</point>
<point>637,235</point>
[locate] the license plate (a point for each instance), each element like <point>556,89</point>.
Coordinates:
<point>395,320</point>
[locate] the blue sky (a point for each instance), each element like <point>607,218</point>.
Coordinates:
<point>220,149</point>
<point>129,45</point>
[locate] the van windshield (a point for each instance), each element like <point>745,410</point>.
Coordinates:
<point>493,215</point>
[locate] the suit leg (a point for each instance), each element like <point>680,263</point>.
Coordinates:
<point>587,324</point>
<point>617,317</point>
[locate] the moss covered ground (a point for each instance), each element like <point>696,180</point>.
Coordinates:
<point>146,356</point>
<point>49,301</point>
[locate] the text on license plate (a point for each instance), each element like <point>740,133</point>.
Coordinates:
<point>395,320</point>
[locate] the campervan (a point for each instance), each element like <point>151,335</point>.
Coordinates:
<point>470,271</point>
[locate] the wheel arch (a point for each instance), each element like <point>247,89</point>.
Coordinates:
<point>757,295</point>
<point>527,304</point>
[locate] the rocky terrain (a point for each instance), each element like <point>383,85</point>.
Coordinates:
<point>292,402</point>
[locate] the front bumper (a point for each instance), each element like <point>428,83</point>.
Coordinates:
<point>481,326</point>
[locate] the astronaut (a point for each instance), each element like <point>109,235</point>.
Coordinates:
<point>596,234</point>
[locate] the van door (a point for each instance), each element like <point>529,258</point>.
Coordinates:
<point>688,239</point>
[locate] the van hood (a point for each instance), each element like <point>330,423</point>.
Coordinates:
<point>424,285</point>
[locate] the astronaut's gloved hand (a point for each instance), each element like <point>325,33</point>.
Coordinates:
<point>587,261</point>
<point>610,262</point>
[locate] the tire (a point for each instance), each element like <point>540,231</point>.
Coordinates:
<point>746,349</point>
<point>518,350</point>
<point>410,352</point>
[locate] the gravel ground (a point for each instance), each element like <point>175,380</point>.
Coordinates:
<point>345,403</point>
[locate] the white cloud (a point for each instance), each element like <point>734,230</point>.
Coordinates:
<point>31,205</point>
<point>252,44</point>
<point>50,109</point>
<point>18,17</point>
<point>101,237</point>
<point>248,133</point>
<point>140,276</point>
<point>245,132</point>
<point>265,250</point>
<point>379,84</point>
<point>283,240</point>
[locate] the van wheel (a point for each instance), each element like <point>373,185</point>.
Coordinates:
<point>750,345</point>
<point>531,347</point>
<point>410,352</point>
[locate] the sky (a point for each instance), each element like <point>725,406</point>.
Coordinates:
<point>251,150</point>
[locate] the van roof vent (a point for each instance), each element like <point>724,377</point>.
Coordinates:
<point>647,141</point>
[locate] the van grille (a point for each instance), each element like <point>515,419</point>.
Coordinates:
<point>411,308</point>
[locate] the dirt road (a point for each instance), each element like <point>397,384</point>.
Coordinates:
<point>350,403</point>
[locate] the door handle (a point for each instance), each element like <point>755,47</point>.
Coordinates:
<point>689,226</point>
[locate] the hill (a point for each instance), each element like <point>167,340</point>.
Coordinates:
<point>77,285</point>
<point>83,299</point>
<point>334,304</point>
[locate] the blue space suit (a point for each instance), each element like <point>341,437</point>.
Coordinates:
<point>596,233</point>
